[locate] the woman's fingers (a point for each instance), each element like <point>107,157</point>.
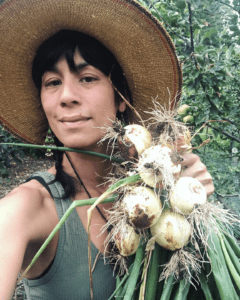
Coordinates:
<point>193,167</point>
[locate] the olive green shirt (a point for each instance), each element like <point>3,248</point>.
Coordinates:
<point>68,276</point>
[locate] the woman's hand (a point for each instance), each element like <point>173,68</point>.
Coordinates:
<point>193,167</point>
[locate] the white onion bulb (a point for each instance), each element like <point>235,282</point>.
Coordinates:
<point>135,140</point>
<point>127,240</point>
<point>142,207</point>
<point>187,193</point>
<point>156,165</point>
<point>172,231</point>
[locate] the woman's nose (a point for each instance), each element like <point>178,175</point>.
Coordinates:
<point>69,94</point>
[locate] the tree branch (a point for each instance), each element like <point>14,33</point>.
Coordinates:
<point>234,123</point>
<point>225,133</point>
<point>190,23</point>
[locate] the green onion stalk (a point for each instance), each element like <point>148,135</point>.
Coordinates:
<point>105,156</point>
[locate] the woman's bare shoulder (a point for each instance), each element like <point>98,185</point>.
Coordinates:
<point>27,196</point>
<point>29,203</point>
<point>27,216</point>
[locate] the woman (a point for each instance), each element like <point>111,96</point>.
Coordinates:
<point>76,92</point>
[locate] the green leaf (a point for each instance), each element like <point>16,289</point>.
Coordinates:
<point>181,4</point>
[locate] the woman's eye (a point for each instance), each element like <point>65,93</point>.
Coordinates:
<point>88,79</point>
<point>53,83</point>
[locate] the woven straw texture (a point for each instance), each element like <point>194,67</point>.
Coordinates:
<point>138,41</point>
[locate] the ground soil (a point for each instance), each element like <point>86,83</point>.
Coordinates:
<point>18,173</point>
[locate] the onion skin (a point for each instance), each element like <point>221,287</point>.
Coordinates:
<point>172,231</point>
<point>187,193</point>
<point>135,140</point>
<point>142,207</point>
<point>152,156</point>
<point>127,240</point>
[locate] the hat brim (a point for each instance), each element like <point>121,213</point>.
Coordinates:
<point>140,44</point>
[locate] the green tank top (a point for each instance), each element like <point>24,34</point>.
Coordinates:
<point>68,276</point>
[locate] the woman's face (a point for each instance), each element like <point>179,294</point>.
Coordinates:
<point>78,103</point>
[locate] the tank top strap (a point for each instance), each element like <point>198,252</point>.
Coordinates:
<point>54,188</point>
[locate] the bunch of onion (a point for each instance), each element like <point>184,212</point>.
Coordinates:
<point>158,163</point>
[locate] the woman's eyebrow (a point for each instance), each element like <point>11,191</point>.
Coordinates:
<point>78,67</point>
<point>81,66</point>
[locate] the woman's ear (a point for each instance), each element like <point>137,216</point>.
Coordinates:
<point>122,106</point>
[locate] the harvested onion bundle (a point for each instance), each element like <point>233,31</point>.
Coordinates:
<point>202,234</point>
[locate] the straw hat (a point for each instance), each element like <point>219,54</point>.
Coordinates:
<point>138,41</point>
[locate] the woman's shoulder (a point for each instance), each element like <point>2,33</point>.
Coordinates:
<point>29,193</point>
<point>30,203</point>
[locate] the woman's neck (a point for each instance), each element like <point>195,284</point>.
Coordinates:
<point>91,169</point>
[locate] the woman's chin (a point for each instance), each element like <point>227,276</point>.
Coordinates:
<point>79,145</point>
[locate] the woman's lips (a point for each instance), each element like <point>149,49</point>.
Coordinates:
<point>74,119</point>
<point>72,122</point>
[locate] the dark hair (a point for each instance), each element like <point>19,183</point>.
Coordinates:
<point>64,44</point>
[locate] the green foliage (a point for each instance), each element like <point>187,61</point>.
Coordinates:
<point>207,38</point>
<point>9,153</point>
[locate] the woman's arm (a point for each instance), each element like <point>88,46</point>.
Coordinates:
<point>13,243</point>
<point>193,167</point>
<point>19,226</point>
